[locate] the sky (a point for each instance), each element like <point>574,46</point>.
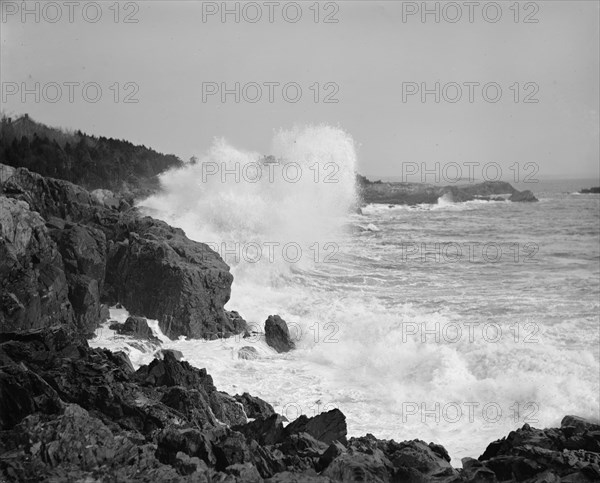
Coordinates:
<point>162,67</point>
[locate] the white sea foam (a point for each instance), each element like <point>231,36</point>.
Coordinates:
<point>351,317</point>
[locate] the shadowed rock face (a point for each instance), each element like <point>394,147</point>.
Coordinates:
<point>34,291</point>
<point>277,334</point>
<point>90,252</point>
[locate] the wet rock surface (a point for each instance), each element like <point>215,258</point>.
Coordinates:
<point>66,251</point>
<point>277,334</point>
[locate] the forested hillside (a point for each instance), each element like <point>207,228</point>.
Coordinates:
<point>90,161</point>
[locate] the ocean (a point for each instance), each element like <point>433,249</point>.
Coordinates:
<point>453,323</point>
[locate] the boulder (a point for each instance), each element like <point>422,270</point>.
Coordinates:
<point>254,407</point>
<point>277,334</point>
<point>171,372</point>
<point>155,270</point>
<point>326,427</point>
<point>136,327</point>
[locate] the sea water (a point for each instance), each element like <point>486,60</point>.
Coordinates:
<point>453,323</point>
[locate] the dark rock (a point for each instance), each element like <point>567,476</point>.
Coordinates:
<point>193,404</point>
<point>277,334</point>
<point>326,427</point>
<point>334,450</point>
<point>171,372</point>
<point>236,321</point>
<point>194,443</point>
<point>246,472</point>
<point>158,272</point>
<point>83,250</point>
<point>33,287</point>
<point>523,196</point>
<point>590,190</point>
<point>579,424</point>
<point>136,327</point>
<point>254,407</point>
<point>266,431</point>
<point>227,409</point>
<point>152,268</point>
<point>570,451</point>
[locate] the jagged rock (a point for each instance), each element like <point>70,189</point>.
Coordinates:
<point>194,443</point>
<point>334,450</point>
<point>171,372</point>
<point>83,250</point>
<point>152,268</point>
<point>136,327</point>
<point>254,407</point>
<point>571,452</point>
<point>193,404</point>
<point>595,189</point>
<point>266,431</point>
<point>33,286</point>
<point>155,270</point>
<point>326,427</point>
<point>236,321</point>
<point>227,409</point>
<point>248,353</point>
<point>277,334</point>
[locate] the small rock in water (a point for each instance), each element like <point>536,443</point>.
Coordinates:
<point>277,334</point>
<point>136,327</point>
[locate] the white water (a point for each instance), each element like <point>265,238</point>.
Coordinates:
<point>352,319</point>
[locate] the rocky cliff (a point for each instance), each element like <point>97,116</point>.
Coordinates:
<point>65,253</point>
<point>69,412</point>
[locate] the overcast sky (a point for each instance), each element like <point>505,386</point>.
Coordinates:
<point>372,55</point>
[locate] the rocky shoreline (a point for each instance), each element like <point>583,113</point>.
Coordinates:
<point>69,412</point>
<point>396,193</point>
